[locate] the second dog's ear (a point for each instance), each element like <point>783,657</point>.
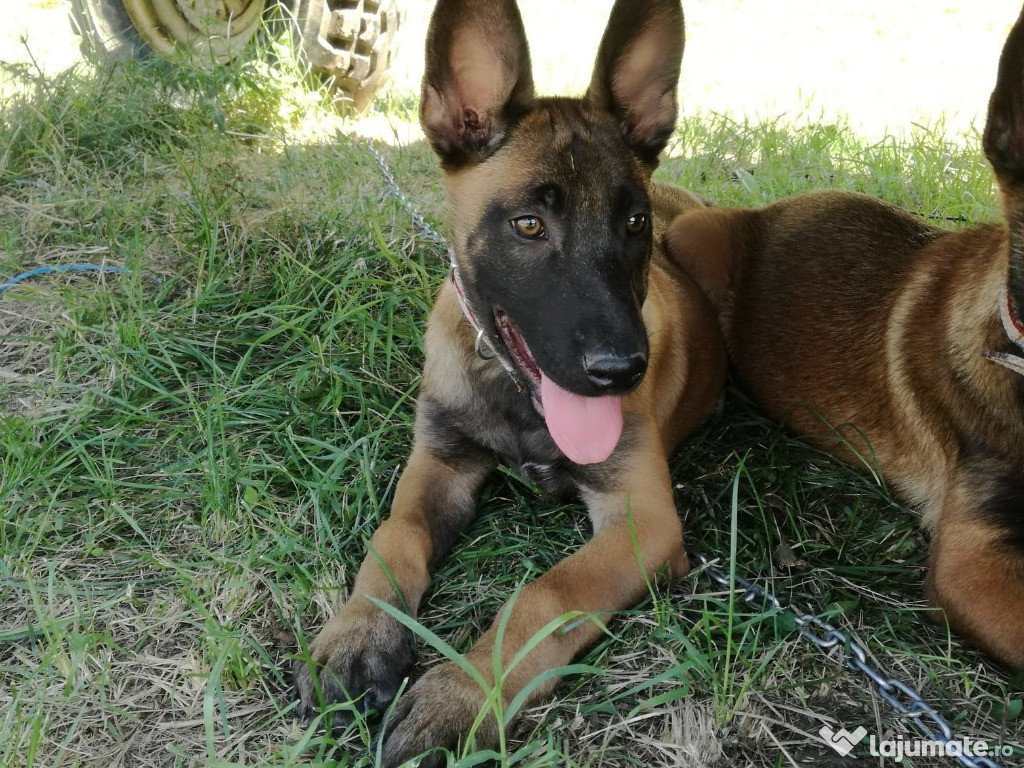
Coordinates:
<point>477,81</point>
<point>637,72</point>
<point>1003,139</point>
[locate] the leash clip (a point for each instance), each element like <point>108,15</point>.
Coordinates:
<point>480,344</point>
<point>483,348</point>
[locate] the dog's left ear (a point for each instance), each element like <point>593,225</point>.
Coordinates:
<point>637,72</point>
<point>477,81</point>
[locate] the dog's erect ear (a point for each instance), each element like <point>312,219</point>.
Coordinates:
<point>637,72</point>
<point>1004,146</point>
<point>477,81</point>
<point>1004,131</point>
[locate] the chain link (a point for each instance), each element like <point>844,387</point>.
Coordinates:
<point>424,226</point>
<point>900,696</point>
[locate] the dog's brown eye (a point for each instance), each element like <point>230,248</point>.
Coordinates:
<point>529,226</point>
<point>636,223</point>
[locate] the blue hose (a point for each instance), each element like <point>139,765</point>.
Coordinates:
<point>60,268</point>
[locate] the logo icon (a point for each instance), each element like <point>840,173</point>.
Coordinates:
<point>842,741</point>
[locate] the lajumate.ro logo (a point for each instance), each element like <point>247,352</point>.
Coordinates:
<point>898,747</point>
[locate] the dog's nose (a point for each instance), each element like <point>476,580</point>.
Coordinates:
<point>610,371</point>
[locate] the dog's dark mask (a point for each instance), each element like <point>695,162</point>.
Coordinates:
<point>1003,147</point>
<point>559,261</point>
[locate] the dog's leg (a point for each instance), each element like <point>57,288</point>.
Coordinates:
<point>637,531</point>
<point>363,652</point>
<point>977,562</point>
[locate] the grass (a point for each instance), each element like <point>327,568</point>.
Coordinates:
<point>190,467</point>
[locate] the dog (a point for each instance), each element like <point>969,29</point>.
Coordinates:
<point>565,345</point>
<point>894,344</point>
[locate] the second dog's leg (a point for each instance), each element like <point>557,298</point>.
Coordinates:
<point>363,652</point>
<point>977,564</point>
<point>637,531</point>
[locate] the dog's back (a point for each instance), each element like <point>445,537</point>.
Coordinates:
<point>848,318</point>
<point>896,346</point>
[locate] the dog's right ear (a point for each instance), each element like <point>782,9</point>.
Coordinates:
<point>477,81</point>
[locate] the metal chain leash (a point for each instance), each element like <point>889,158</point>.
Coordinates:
<point>481,346</point>
<point>422,225</point>
<point>900,696</point>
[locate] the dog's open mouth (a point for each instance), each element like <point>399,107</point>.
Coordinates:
<point>520,354</point>
<point>585,429</point>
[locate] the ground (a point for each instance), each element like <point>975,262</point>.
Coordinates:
<point>193,454</point>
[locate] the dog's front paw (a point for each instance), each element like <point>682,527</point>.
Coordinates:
<point>438,713</point>
<point>361,656</point>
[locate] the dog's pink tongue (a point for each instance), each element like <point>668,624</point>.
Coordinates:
<point>586,429</point>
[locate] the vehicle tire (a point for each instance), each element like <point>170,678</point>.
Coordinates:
<point>348,43</point>
<point>105,29</point>
<point>206,32</point>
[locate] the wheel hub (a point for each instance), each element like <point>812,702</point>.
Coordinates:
<point>206,30</point>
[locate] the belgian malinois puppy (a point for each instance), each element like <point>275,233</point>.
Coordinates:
<point>602,357</point>
<point>893,344</point>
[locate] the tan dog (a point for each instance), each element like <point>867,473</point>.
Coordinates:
<point>598,357</point>
<point>892,343</point>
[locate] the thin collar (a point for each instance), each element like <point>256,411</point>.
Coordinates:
<point>1008,311</point>
<point>483,346</point>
